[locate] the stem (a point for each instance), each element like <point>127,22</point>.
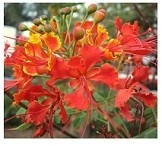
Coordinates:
<point>51,123</point>
<point>73,51</point>
<point>84,19</point>
<point>64,131</point>
<point>15,116</point>
<point>139,131</point>
<point>68,31</point>
<point>86,123</point>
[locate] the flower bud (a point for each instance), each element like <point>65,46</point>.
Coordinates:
<point>103,11</point>
<point>36,21</point>
<point>78,33</point>
<point>47,28</point>
<point>39,29</point>
<point>44,17</point>
<point>22,27</point>
<point>92,8</point>
<point>74,8</point>
<point>21,40</point>
<point>67,10</point>
<point>62,11</point>
<point>99,16</point>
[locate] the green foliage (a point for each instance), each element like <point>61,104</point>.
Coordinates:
<point>149,133</point>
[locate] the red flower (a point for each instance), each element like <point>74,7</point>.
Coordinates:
<point>132,88</point>
<point>82,71</point>
<point>128,36</point>
<point>39,112</point>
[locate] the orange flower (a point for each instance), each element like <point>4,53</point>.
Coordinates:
<point>52,41</point>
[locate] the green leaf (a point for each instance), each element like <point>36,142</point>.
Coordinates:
<point>20,111</point>
<point>23,126</point>
<point>79,120</point>
<point>149,133</point>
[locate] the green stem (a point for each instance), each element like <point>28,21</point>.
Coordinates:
<point>84,19</point>
<point>139,131</point>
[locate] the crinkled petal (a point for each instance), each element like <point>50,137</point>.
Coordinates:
<point>36,112</point>
<point>107,75</point>
<point>140,73</point>
<point>125,113</point>
<point>52,41</point>
<point>77,99</point>
<point>91,55</point>
<point>122,97</point>
<point>148,99</point>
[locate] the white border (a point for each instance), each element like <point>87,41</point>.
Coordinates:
<point>76,142</point>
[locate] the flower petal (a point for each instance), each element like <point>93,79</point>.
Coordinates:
<point>11,83</point>
<point>140,73</point>
<point>52,41</point>
<point>107,75</point>
<point>125,112</point>
<point>122,97</point>
<point>148,99</point>
<point>36,112</point>
<point>77,99</point>
<point>60,70</point>
<point>91,55</point>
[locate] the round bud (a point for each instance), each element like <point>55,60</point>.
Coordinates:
<point>47,28</point>
<point>78,33</point>
<point>36,21</point>
<point>22,27</point>
<point>21,40</point>
<point>74,9</point>
<point>67,10</point>
<point>62,11</point>
<point>92,8</point>
<point>44,17</point>
<point>99,16</point>
<point>103,11</point>
<point>39,29</point>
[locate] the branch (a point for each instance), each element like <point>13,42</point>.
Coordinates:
<point>59,128</point>
<point>141,14</point>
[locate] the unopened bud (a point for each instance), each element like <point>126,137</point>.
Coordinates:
<point>92,8</point>
<point>62,11</point>
<point>99,16</point>
<point>44,17</point>
<point>22,27</point>
<point>67,10</point>
<point>36,21</point>
<point>21,40</point>
<point>78,33</point>
<point>103,11</point>
<point>47,28</point>
<point>74,8</point>
<point>39,29</point>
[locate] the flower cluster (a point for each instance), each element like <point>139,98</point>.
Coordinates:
<point>82,56</point>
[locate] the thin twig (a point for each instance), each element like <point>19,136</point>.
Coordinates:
<point>141,14</point>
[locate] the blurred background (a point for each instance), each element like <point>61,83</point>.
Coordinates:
<point>15,13</point>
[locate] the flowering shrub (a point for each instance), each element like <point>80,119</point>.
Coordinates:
<point>60,71</point>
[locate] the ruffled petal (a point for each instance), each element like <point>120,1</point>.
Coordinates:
<point>125,113</point>
<point>122,97</point>
<point>91,55</point>
<point>107,75</point>
<point>77,99</point>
